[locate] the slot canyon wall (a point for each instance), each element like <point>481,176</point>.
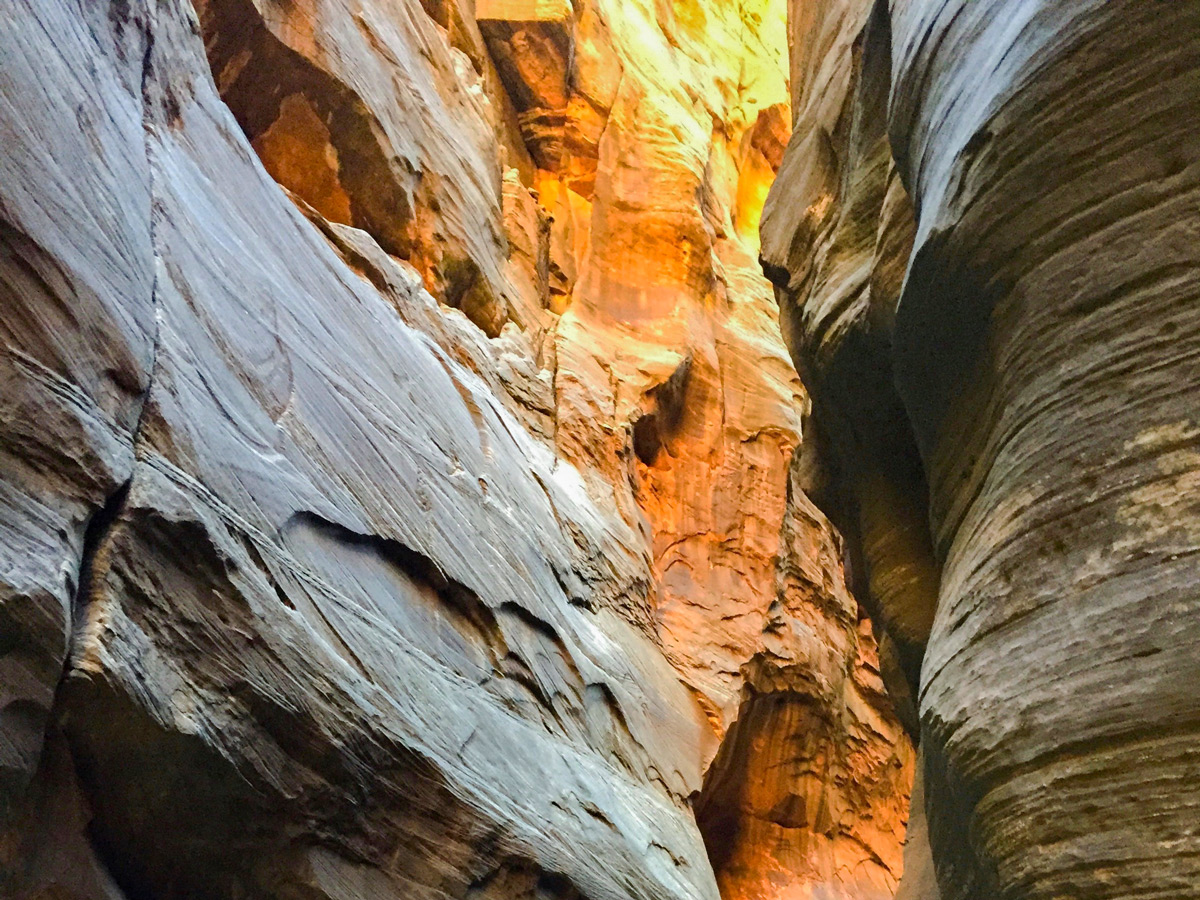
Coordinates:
<point>984,242</point>
<point>405,487</point>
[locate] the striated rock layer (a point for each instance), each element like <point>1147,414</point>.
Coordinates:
<point>402,476</point>
<point>983,239</point>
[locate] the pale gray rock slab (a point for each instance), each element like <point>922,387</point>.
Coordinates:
<point>76,331</point>
<point>335,637</point>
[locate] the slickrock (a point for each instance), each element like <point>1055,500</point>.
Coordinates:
<point>324,640</point>
<point>403,473</point>
<point>1007,411</point>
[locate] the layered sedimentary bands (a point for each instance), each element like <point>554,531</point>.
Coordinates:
<point>984,240</point>
<point>403,492</point>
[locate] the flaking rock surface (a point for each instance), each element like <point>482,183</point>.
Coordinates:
<point>402,474</point>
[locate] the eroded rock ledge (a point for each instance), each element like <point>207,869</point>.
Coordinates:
<point>402,473</point>
<point>983,240</point>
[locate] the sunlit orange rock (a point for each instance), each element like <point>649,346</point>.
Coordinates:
<point>675,397</point>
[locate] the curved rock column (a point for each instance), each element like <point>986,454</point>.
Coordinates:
<point>1043,349</point>
<point>395,455</point>
<point>1046,350</point>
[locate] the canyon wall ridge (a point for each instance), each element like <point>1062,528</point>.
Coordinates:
<point>983,241</point>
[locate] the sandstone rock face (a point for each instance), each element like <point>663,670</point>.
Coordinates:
<point>1029,383</point>
<point>836,241</point>
<point>403,476</point>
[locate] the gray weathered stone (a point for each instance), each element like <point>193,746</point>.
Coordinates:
<point>1043,353</point>
<point>331,619</point>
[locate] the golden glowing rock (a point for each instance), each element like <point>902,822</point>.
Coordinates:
<point>676,399</point>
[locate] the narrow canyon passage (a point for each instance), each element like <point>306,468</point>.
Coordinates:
<point>582,449</point>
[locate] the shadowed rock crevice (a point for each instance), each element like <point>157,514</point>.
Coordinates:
<point>92,560</point>
<point>837,232</point>
<point>50,835</point>
<point>654,429</point>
